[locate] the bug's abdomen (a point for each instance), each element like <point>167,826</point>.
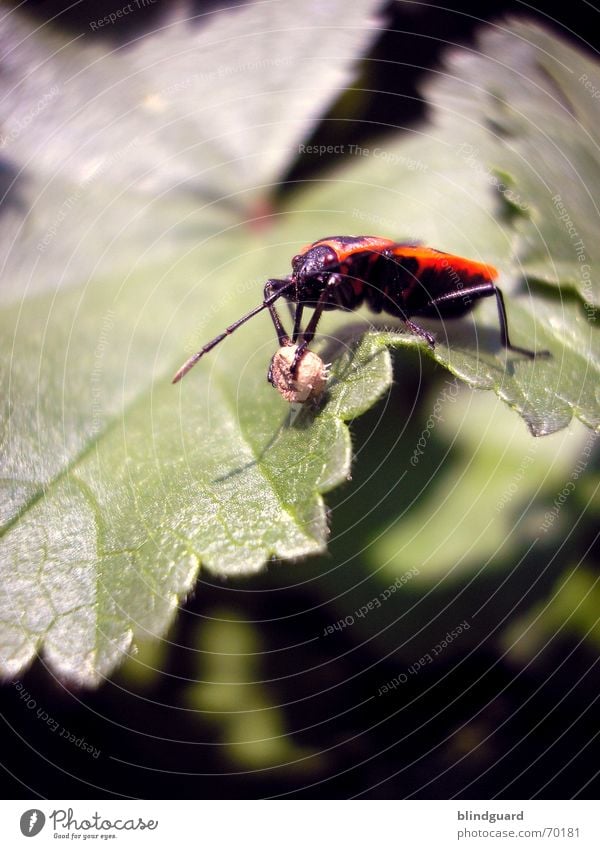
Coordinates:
<point>409,282</point>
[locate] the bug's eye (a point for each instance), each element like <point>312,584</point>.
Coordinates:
<point>297,261</point>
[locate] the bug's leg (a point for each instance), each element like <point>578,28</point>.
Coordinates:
<point>504,330</point>
<point>467,294</point>
<point>292,310</point>
<point>297,322</point>
<point>432,310</point>
<point>273,290</point>
<point>311,328</point>
<point>420,331</point>
<point>485,290</point>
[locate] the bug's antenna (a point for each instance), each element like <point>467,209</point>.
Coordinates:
<point>266,304</point>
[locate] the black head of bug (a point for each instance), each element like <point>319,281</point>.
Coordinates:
<point>311,271</point>
<point>314,262</point>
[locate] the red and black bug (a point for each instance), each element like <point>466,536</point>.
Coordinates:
<point>401,279</point>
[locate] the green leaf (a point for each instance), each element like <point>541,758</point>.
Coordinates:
<point>179,134</point>
<point>451,205</point>
<point>486,503</point>
<point>455,514</point>
<point>487,179</point>
<point>570,610</point>
<point>113,499</point>
<point>233,697</point>
<point>115,484</point>
<point>112,492</point>
<point>536,99</point>
<point>219,101</point>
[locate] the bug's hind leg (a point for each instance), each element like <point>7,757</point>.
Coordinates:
<point>443,306</point>
<point>419,331</point>
<point>504,330</point>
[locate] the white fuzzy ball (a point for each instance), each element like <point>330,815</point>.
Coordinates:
<point>310,378</point>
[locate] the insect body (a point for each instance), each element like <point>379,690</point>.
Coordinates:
<point>401,279</point>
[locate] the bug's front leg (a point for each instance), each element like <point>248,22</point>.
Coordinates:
<point>311,328</point>
<point>271,289</point>
<point>297,321</point>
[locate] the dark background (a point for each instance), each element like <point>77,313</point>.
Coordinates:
<point>540,729</point>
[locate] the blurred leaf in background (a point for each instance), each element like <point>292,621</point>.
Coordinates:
<point>454,519</point>
<point>233,697</point>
